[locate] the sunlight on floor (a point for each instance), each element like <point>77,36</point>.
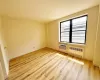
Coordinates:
<point>74,60</point>
<point>60,55</point>
<point>77,61</point>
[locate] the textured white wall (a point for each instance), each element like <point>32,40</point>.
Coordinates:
<point>1,72</point>
<point>3,53</point>
<point>97,45</point>
<point>23,36</point>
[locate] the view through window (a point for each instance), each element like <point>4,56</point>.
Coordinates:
<point>74,30</point>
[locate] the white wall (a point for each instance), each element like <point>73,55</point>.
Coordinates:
<point>97,45</point>
<point>1,72</point>
<point>3,53</point>
<point>23,36</point>
<point>53,31</point>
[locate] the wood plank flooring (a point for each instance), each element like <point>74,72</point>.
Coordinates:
<point>47,64</point>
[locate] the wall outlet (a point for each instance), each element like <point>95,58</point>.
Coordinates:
<point>33,47</point>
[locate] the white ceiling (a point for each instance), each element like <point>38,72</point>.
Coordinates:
<point>43,10</point>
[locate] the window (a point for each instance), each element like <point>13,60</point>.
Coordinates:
<point>74,30</point>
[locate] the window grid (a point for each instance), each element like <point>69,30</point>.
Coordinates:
<point>71,30</point>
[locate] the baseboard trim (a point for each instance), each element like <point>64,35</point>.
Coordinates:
<point>26,54</point>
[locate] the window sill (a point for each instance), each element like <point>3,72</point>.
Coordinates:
<point>74,44</point>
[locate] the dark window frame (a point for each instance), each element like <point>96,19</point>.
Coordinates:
<point>70,32</point>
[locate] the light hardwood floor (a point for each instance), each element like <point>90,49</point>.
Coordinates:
<point>48,64</point>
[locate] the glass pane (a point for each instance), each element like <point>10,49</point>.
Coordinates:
<point>64,29</point>
<point>65,34</point>
<point>79,23</point>
<point>65,39</point>
<point>78,33</point>
<point>78,37</point>
<point>65,26</point>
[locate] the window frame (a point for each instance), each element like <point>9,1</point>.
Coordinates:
<point>70,32</point>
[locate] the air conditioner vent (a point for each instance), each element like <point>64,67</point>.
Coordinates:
<point>62,46</point>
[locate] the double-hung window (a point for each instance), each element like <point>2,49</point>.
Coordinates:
<point>74,30</point>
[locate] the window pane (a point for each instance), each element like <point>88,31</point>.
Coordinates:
<point>65,24</point>
<point>78,33</point>
<point>65,28</point>
<point>65,39</point>
<point>78,37</point>
<point>79,23</point>
<point>78,40</point>
<point>79,29</point>
<point>65,34</point>
<point>73,30</point>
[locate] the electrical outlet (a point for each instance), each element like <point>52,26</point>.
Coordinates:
<point>33,47</point>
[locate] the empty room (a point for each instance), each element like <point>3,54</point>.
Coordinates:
<point>49,39</point>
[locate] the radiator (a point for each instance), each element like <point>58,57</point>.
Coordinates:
<point>76,50</point>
